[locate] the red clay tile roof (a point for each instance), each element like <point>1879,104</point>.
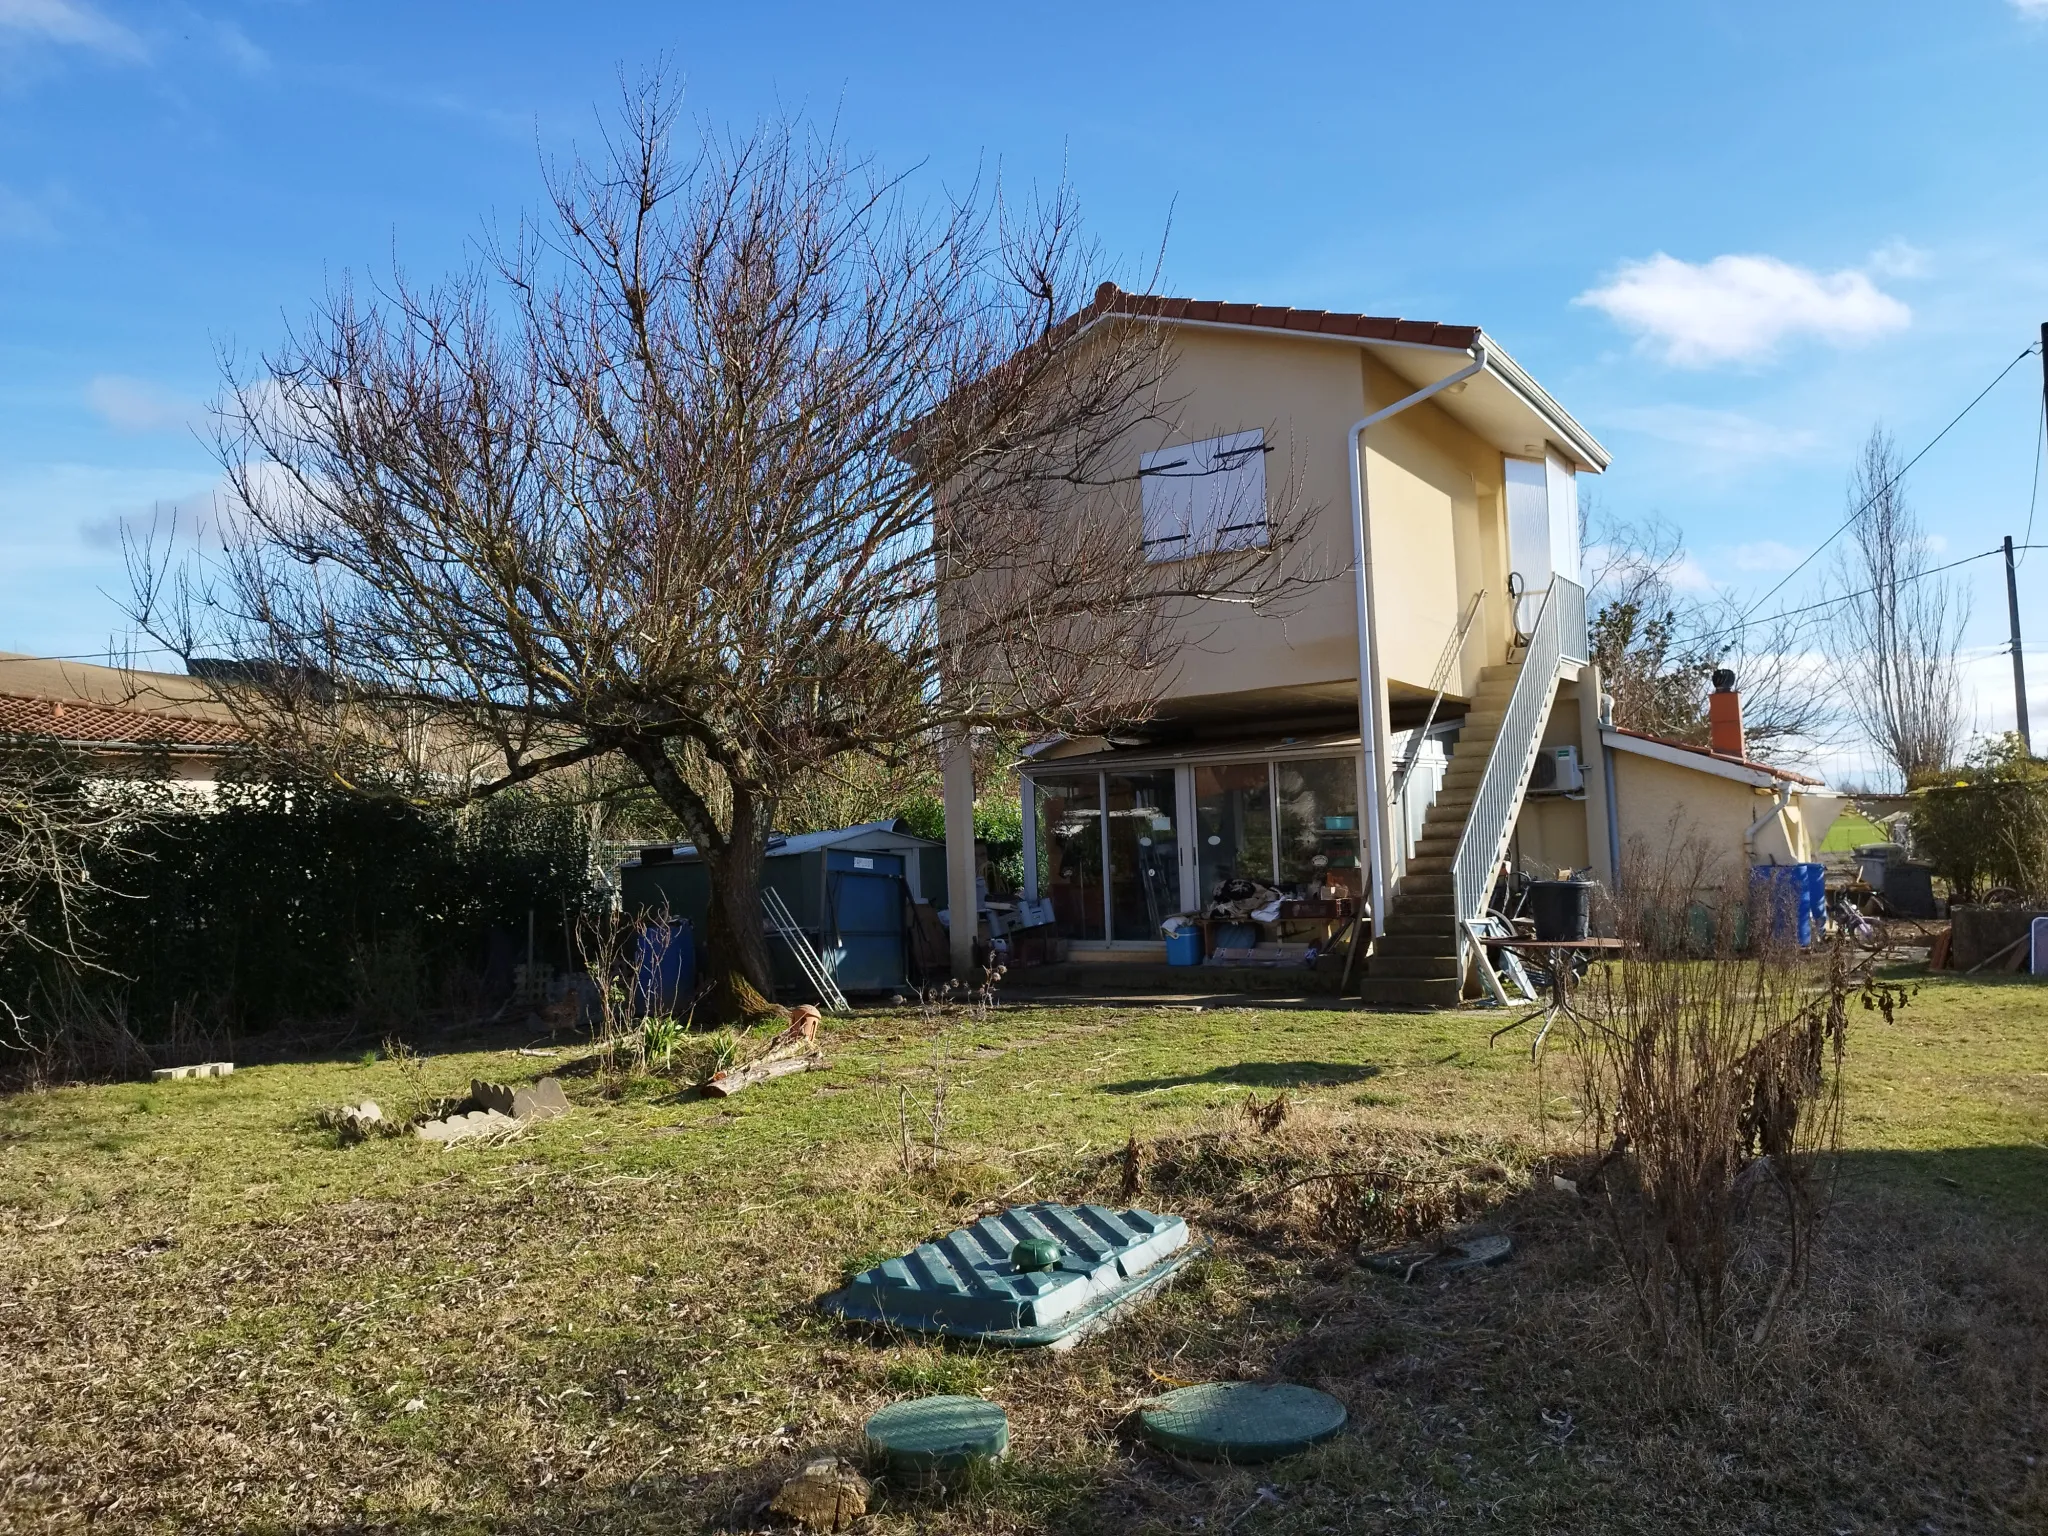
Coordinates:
<point>1720,757</point>
<point>1110,299</point>
<point>102,725</point>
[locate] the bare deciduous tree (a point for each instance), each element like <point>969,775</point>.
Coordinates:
<point>1896,634</point>
<point>1658,644</point>
<point>679,479</point>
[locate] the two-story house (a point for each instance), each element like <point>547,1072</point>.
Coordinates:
<point>1289,750</point>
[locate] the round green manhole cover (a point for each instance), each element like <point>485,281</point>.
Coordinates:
<point>938,1434</point>
<point>1241,1421</point>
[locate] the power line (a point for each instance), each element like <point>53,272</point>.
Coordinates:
<point>1871,500</point>
<point>1848,597</point>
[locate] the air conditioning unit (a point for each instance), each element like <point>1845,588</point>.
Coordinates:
<point>1557,772</point>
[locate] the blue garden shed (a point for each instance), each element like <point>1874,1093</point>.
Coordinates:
<point>849,890</point>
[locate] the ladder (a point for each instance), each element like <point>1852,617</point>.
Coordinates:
<point>783,925</point>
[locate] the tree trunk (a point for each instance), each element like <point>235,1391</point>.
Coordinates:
<point>734,955</point>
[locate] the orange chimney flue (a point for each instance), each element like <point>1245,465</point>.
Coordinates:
<point>1724,716</point>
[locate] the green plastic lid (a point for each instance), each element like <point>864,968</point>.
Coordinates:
<point>936,1434</point>
<point>1241,1421</point>
<point>1036,1253</point>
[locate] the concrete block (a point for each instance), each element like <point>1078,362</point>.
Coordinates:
<point>543,1101</point>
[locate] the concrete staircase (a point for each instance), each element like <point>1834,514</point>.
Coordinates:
<point>1414,960</point>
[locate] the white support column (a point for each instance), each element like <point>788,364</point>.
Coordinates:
<point>961,899</point>
<point>1593,764</point>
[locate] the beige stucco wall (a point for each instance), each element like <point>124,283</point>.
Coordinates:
<point>1433,488</point>
<point>1662,807</point>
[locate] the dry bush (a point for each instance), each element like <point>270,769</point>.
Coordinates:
<point>1713,1086</point>
<point>1305,1181</point>
<point>69,1035</point>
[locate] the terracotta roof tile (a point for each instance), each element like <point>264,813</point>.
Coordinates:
<point>100,724</point>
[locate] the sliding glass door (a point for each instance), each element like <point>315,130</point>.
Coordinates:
<point>1109,846</point>
<point>1144,854</point>
<point>1233,825</point>
<point>1070,848</point>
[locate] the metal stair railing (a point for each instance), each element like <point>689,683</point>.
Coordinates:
<point>1490,824</point>
<point>784,925</point>
<point>1453,648</point>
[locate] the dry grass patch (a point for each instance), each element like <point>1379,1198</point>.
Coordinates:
<point>214,1318</point>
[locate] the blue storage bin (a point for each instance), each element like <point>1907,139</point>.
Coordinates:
<point>667,968</point>
<point>1184,947</point>
<point>1777,892</point>
<point>1813,892</point>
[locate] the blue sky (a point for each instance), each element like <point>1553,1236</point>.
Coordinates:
<point>1729,236</point>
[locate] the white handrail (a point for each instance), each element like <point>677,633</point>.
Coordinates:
<point>1497,803</point>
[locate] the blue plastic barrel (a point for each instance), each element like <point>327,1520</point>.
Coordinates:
<point>1778,893</point>
<point>1184,947</point>
<point>1813,896</point>
<point>667,968</point>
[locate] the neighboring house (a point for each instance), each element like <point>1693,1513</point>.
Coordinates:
<point>1285,749</point>
<point>126,721</point>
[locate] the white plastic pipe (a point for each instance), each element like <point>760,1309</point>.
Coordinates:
<point>1371,795</point>
<point>1778,808</point>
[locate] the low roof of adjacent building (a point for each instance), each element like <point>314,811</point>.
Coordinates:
<point>1686,754</point>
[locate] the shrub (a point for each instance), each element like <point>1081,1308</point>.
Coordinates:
<point>1711,1087</point>
<point>1989,827</point>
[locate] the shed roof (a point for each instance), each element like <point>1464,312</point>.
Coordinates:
<point>867,833</point>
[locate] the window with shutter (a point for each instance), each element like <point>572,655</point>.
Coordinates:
<point>1203,497</point>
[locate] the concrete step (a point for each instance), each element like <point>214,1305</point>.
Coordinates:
<point>1429,863</point>
<point>1435,943</point>
<point>1436,903</point>
<point>1426,882</point>
<point>1409,992</point>
<point>1440,967</point>
<point>1405,922</point>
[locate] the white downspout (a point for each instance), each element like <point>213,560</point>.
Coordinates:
<point>1371,800</point>
<point>1778,808</point>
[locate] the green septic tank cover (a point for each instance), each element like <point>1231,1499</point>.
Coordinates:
<point>971,1283</point>
<point>1241,1421</point>
<point>938,1434</point>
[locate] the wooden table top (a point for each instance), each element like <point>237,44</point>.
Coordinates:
<point>1497,942</point>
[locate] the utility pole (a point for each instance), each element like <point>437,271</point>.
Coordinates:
<point>2019,662</point>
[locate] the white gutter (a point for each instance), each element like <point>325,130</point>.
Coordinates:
<point>1371,802</point>
<point>1778,808</point>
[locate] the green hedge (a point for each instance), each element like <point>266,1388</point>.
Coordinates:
<point>288,902</point>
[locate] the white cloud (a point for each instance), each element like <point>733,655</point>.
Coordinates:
<point>1766,555</point>
<point>1900,258</point>
<point>136,405</point>
<point>1725,437</point>
<point>244,54</point>
<point>2031,7</point>
<point>1737,309</point>
<point>202,520</point>
<point>70,23</point>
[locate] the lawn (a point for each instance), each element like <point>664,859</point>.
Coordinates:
<point>214,1316</point>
